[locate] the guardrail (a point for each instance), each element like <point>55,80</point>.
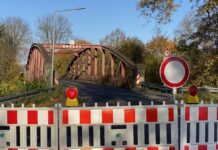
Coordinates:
<point>180,90</point>
<point>24,94</point>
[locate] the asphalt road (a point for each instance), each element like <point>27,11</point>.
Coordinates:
<point>91,92</point>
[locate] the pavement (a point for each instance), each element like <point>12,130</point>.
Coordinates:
<point>90,93</point>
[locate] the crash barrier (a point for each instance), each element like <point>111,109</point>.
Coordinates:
<point>28,128</point>
<point>150,127</point>
<point>199,127</point>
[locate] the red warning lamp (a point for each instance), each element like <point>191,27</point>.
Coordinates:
<point>192,97</point>
<point>193,90</point>
<point>71,93</point>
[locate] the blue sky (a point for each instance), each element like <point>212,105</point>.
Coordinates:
<point>98,19</point>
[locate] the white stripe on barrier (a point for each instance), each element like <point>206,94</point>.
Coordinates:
<point>23,115</point>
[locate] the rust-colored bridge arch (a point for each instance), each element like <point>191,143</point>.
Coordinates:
<point>89,62</point>
<point>38,63</point>
<point>100,63</point>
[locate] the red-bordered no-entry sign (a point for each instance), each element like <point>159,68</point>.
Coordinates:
<point>174,72</point>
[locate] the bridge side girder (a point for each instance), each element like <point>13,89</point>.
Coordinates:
<point>98,59</point>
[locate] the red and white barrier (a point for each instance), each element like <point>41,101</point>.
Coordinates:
<point>26,117</point>
<point>151,127</point>
<point>199,127</point>
<point>118,115</point>
<point>28,128</point>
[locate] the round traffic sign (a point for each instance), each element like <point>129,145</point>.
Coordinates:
<point>167,53</point>
<point>174,72</point>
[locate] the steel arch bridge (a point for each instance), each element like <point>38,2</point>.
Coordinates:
<point>89,62</point>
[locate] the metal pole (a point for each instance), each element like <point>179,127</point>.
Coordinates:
<point>53,41</point>
<point>53,49</point>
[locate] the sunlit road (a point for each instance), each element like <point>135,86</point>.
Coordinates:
<point>91,93</point>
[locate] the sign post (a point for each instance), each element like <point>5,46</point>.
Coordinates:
<point>174,73</point>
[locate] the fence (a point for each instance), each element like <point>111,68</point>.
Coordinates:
<point>150,127</point>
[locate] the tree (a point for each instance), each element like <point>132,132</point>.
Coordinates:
<point>206,34</point>
<point>14,34</point>
<point>161,10</point>
<point>133,48</point>
<point>63,30</point>
<point>202,65</point>
<point>159,44</point>
<point>18,33</point>
<point>114,39</point>
<point>81,41</point>
<point>9,67</point>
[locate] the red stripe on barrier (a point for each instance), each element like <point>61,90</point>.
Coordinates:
<point>171,114</point>
<point>130,148</point>
<point>186,147</point>
<point>12,117</point>
<point>187,113</point>
<point>217,147</point>
<point>151,114</point>
<point>152,148</point>
<point>85,116</point>
<point>12,149</point>
<point>32,117</point>
<point>107,116</point>
<point>202,147</point>
<point>50,117</point>
<point>65,117</point>
<point>129,115</point>
<point>203,113</point>
<point>217,113</point>
<point>108,148</point>
<point>172,148</point>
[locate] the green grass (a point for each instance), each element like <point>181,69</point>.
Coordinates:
<point>44,99</point>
